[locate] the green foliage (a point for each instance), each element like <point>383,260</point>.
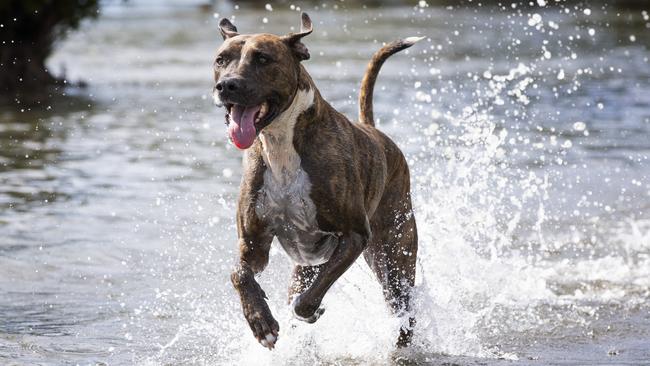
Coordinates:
<point>50,15</point>
<point>28,32</point>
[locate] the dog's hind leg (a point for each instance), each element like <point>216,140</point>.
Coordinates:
<point>391,253</point>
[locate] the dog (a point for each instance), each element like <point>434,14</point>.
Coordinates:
<point>328,189</point>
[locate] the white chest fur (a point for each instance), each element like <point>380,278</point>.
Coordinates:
<point>280,156</point>
<point>284,199</point>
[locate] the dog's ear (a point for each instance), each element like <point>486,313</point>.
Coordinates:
<point>293,39</point>
<point>227,29</point>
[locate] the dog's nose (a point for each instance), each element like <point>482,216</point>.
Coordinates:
<point>229,84</point>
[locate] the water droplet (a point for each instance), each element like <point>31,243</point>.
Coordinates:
<point>579,126</point>
<point>534,20</point>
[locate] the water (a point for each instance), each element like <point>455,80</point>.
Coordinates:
<point>527,139</point>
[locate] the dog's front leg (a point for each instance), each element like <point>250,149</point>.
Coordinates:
<point>253,259</point>
<point>306,305</point>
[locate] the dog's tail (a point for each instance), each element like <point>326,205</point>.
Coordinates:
<point>368,82</point>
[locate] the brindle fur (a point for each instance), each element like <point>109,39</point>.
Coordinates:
<point>360,185</point>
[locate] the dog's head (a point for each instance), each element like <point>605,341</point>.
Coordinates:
<point>256,78</point>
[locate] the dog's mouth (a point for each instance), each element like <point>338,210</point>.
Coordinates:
<point>246,121</point>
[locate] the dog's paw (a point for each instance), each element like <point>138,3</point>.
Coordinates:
<point>312,318</point>
<point>265,328</point>
<point>305,312</point>
<point>269,341</point>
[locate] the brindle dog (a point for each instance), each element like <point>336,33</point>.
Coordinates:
<point>328,189</point>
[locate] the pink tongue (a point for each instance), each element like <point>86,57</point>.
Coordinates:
<point>242,125</point>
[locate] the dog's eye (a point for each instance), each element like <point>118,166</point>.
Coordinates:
<point>263,60</point>
<point>220,61</point>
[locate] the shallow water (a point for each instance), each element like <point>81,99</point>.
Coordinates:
<point>527,141</point>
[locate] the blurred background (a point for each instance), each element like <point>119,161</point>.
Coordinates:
<point>525,124</point>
